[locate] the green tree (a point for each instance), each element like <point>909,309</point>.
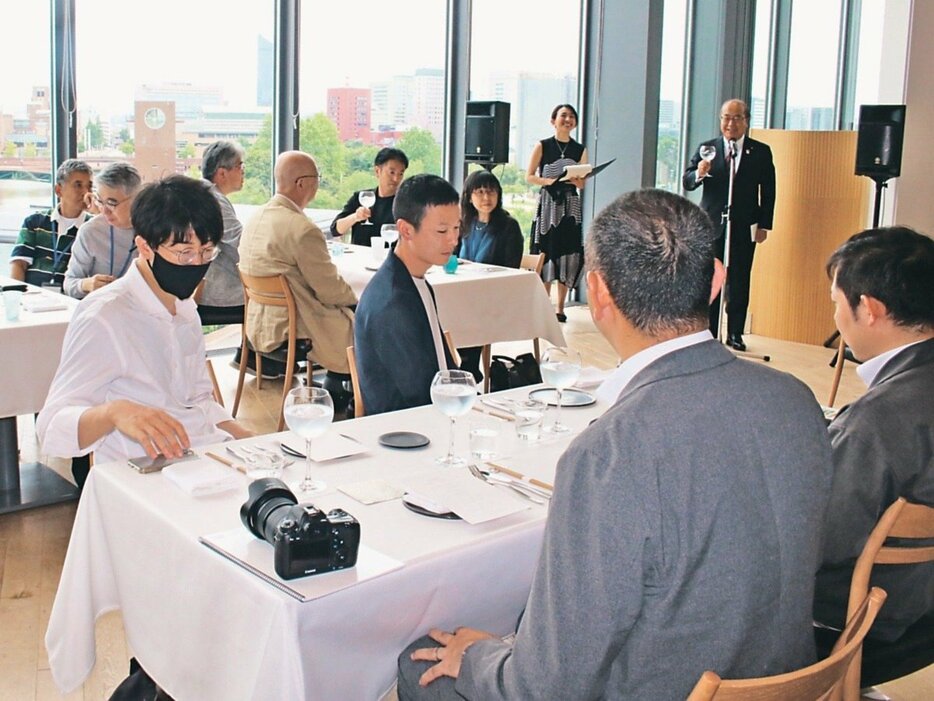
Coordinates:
<point>95,134</point>
<point>257,184</point>
<point>9,149</point>
<point>318,136</point>
<point>359,157</point>
<point>186,151</point>
<point>420,146</point>
<point>127,148</point>
<point>29,151</point>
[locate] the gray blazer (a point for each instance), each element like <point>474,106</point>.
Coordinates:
<point>681,538</point>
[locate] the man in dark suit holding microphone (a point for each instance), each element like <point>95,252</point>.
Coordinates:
<point>752,206</point>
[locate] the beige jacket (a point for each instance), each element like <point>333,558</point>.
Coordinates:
<point>279,238</point>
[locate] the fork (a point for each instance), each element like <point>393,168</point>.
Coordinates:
<point>479,474</point>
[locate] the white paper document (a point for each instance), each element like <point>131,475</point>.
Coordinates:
<point>202,478</point>
<point>472,499</point>
<point>256,556</point>
<point>372,491</point>
<point>330,446</point>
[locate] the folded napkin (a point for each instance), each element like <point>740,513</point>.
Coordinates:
<point>592,377</point>
<point>43,303</point>
<point>202,478</point>
<point>329,446</point>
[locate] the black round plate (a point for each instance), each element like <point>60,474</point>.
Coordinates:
<point>569,397</point>
<point>448,515</point>
<point>403,439</point>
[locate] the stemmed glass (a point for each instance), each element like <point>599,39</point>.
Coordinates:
<point>707,153</point>
<point>308,413</point>
<point>367,199</point>
<point>389,233</point>
<point>453,392</point>
<point>560,369</point>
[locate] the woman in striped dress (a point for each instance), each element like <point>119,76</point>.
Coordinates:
<point>556,231</point>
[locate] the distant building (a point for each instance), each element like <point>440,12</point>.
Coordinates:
<point>429,101</point>
<point>349,109</point>
<point>190,99</point>
<point>264,72</point>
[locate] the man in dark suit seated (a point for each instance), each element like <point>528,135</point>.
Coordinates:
<point>883,443</point>
<point>398,340</point>
<point>751,212</point>
<point>681,535</point>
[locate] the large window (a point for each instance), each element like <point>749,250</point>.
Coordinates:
<point>812,66</point>
<point>760,65</point>
<point>668,161</point>
<point>371,75</point>
<point>25,120</point>
<point>526,53</point>
<point>158,82</point>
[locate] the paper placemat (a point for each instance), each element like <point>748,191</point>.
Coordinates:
<point>472,499</point>
<point>202,478</point>
<point>256,556</point>
<point>372,491</point>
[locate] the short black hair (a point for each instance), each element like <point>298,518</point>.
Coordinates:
<point>391,154</point>
<point>170,207</point>
<point>554,112</point>
<point>893,264</point>
<point>481,180</point>
<point>418,193</point>
<point>655,251</point>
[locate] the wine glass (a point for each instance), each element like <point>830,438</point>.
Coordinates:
<point>389,233</point>
<point>560,369</point>
<point>308,413</point>
<point>707,153</point>
<point>453,392</point>
<point>367,199</point>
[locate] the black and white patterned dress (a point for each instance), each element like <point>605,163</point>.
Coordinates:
<point>556,231</point>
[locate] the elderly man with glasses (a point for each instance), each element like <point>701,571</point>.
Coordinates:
<point>750,214</point>
<point>105,245</point>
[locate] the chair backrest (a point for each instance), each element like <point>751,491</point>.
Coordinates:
<point>358,409</point>
<point>449,340</point>
<point>817,682</point>
<point>533,261</point>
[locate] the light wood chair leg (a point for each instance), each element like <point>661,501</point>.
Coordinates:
<point>838,372</point>
<point>244,350</point>
<point>218,397</point>
<point>537,350</point>
<point>487,355</point>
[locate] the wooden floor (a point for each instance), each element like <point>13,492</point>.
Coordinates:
<point>33,543</point>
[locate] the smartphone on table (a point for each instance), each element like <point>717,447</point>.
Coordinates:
<point>145,464</point>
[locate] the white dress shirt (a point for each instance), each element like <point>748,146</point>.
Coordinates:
<point>612,386</point>
<point>869,369</point>
<point>122,343</point>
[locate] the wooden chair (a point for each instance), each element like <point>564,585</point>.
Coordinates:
<point>837,372</point>
<point>821,681</point>
<point>216,390</point>
<point>358,408</point>
<point>274,291</point>
<point>907,522</point>
<point>530,261</point>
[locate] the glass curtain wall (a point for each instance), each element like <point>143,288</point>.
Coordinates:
<point>371,74</point>
<point>760,64</point>
<point>674,35</point>
<point>25,121</point>
<point>526,53</point>
<point>812,67</point>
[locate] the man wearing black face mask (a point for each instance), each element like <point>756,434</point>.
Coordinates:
<point>134,379</point>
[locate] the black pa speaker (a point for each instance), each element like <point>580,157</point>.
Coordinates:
<point>879,142</point>
<point>487,137</point>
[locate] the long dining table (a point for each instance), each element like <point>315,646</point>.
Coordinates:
<point>478,303</point>
<point>30,348</point>
<point>206,628</point>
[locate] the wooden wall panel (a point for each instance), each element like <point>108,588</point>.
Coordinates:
<point>820,203</point>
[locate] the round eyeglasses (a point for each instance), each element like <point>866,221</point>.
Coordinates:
<point>190,257</point>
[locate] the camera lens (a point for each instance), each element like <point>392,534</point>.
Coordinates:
<point>263,510</point>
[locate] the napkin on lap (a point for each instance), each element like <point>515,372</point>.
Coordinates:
<point>202,478</point>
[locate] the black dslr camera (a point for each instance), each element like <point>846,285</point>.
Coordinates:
<point>307,540</point>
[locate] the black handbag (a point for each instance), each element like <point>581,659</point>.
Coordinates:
<point>507,373</point>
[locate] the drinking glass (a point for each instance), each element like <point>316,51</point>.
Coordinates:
<point>389,233</point>
<point>560,369</point>
<point>708,153</point>
<point>367,199</point>
<point>453,392</point>
<point>308,413</point>
<point>11,302</point>
<point>528,414</point>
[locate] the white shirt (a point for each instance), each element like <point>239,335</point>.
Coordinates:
<point>612,386</point>
<point>122,343</point>
<point>869,369</point>
<point>738,156</point>
<point>432,313</point>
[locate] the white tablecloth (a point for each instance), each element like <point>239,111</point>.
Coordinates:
<point>30,349</point>
<point>478,304</point>
<point>207,629</point>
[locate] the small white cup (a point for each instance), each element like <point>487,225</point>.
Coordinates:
<point>378,248</point>
<point>529,416</point>
<point>11,303</point>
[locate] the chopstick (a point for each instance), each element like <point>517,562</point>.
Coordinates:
<point>492,412</point>
<point>225,461</point>
<point>520,476</point>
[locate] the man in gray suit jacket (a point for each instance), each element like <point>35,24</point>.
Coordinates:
<point>684,530</point>
<point>883,443</point>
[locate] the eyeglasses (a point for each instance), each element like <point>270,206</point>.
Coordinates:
<point>302,177</point>
<point>732,118</point>
<point>235,166</point>
<point>110,203</point>
<point>190,257</point>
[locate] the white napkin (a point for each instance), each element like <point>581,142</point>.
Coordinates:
<point>43,303</point>
<point>592,377</point>
<point>330,446</point>
<point>455,489</point>
<point>202,478</point>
